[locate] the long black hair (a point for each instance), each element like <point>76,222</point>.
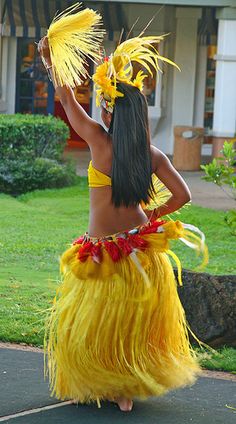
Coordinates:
<point>131,163</point>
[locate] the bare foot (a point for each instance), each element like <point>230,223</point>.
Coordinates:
<point>124,404</point>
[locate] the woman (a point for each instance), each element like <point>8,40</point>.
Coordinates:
<point>117,328</point>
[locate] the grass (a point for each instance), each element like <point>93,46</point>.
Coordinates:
<point>37,227</point>
<point>34,230</point>
<point>222,360</point>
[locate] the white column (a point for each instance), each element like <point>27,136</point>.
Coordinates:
<point>4,73</point>
<point>1,12</point>
<point>224,123</point>
<point>8,67</point>
<point>11,78</point>
<point>185,57</point>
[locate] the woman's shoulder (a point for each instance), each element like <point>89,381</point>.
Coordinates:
<point>101,143</point>
<point>101,154</point>
<point>157,157</point>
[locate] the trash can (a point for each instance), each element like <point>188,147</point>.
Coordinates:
<point>217,146</point>
<point>187,148</point>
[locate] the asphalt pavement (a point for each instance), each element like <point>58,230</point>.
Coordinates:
<point>25,399</point>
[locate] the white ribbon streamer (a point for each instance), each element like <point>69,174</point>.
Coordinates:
<point>195,230</point>
<point>138,265</point>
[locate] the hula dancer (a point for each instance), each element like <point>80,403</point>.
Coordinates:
<point>117,329</point>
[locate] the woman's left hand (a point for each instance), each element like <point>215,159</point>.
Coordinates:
<point>44,51</point>
<point>151,214</point>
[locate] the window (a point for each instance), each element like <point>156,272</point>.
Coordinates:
<point>210,88</point>
<point>32,84</point>
<point>149,84</point>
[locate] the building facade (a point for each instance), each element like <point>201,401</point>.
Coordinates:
<point>201,41</point>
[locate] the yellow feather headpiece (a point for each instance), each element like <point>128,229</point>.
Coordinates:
<point>73,37</point>
<point>118,68</point>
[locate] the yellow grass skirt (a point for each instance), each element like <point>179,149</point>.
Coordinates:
<point>117,326</point>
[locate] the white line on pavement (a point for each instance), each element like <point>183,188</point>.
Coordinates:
<point>34,411</point>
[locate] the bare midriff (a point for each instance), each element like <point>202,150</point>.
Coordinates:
<point>105,219</point>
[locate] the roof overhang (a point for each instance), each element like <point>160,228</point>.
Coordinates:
<point>213,3</point>
<point>31,18</point>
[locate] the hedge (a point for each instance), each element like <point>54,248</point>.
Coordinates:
<point>31,148</point>
<point>32,136</point>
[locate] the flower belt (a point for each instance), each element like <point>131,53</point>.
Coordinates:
<point>124,243</point>
<point>87,255</point>
<point>117,245</point>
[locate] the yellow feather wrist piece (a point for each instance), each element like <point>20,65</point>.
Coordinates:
<point>74,37</point>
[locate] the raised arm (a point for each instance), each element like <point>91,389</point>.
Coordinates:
<point>166,173</point>
<point>86,127</point>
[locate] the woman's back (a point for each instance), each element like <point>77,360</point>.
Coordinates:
<point>105,218</point>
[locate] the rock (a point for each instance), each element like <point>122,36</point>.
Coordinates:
<point>210,306</point>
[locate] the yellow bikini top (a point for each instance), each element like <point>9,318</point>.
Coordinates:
<point>96,178</point>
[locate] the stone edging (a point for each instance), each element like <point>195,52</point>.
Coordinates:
<point>222,375</point>
<point>20,347</point>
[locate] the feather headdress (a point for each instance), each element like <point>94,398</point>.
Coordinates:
<point>118,67</point>
<point>73,37</point>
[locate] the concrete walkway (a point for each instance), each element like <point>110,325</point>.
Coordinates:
<point>25,399</point>
<point>207,194</point>
<point>203,193</point>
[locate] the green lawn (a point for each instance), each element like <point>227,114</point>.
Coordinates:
<point>37,227</point>
<point>34,230</point>
<point>222,360</point>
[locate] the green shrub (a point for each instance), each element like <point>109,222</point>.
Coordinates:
<point>230,220</point>
<point>31,136</point>
<point>221,171</point>
<point>21,176</point>
<point>31,148</point>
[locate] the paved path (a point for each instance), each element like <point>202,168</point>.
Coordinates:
<point>203,193</point>
<point>207,194</point>
<point>25,399</point>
